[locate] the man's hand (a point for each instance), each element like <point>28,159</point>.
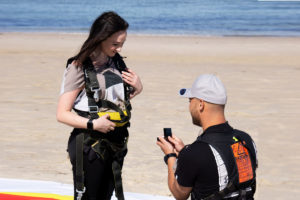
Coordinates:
<point>177,143</point>
<point>165,146</point>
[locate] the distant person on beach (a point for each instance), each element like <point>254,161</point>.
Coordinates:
<point>98,86</point>
<point>221,163</point>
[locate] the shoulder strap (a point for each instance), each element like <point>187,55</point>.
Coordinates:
<point>119,62</point>
<point>121,66</point>
<point>92,87</point>
<point>222,142</point>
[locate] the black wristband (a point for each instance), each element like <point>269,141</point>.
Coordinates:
<point>90,124</point>
<point>168,156</point>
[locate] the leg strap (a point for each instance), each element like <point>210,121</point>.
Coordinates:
<point>116,168</point>
<point>79,179</point>
<point>109,151</point>
<point>221,194</point>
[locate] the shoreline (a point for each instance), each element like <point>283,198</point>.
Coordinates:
<point>156,34</point>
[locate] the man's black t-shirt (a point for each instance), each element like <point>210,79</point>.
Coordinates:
<point>200,166</point>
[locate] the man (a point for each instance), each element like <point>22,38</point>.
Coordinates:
<point>221,163</point>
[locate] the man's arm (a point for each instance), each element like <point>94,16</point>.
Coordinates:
<point>178,191</point>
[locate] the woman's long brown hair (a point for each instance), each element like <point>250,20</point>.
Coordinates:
<point>103,27</point>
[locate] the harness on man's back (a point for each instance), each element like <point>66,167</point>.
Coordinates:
<point>103,147</point>
<point>238,153</point>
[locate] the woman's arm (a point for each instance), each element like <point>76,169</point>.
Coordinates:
<point>134,80</point>
<point>64,114</point>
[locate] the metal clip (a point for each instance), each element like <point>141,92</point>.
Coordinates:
<point>80,193</point>
<point>96,93</point>
<point>93,109</point>
<point>86,73</point>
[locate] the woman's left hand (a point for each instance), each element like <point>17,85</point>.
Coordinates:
<point>133,80</point>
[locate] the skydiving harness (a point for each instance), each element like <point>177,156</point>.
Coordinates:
<point>92,88</point>
<point>238,153</point>
<point>104,148</point>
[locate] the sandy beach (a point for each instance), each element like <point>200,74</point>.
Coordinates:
<point>261,74</point>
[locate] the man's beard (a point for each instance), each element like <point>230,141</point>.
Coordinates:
<point>196,121</point>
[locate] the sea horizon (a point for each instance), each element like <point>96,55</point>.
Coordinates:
<point>148,34</point>
<point>154,17</point>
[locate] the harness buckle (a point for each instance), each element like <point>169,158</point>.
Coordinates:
<point>96,93</point>
<point>93,109</point>
<point>80,193</point>
<point>242,194</point>
<point>86,74</point>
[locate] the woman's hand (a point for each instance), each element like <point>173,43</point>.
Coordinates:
<point>103,124</point>
<point>133,80</point>
<point>64,114</point>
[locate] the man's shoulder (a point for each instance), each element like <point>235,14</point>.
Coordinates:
<point>241,133</point>
<point>196,149</point>
<point>196,145</point>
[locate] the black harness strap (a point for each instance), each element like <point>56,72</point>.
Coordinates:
<point>230,188</point>
<point>93,110</point>
<point>116,168</point>
<point>121,66</point>
<point>79,173</point>
<point>92,88</point>
<point>221,194</point>
<point>80,189</point>
<point>115,152</point>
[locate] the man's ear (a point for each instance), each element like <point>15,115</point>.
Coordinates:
<point>201,105</point>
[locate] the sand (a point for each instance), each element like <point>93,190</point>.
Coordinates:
<point>261,75</point>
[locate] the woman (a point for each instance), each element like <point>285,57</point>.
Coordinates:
<point>98,86</point>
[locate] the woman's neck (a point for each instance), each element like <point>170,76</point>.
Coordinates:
<point>99,58</point>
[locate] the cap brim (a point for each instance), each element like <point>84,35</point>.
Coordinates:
<point>185,92</point>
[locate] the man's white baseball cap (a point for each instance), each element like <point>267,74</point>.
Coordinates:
<point>207,87</point>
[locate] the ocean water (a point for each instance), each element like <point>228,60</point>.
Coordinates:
<point>171,17</point>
